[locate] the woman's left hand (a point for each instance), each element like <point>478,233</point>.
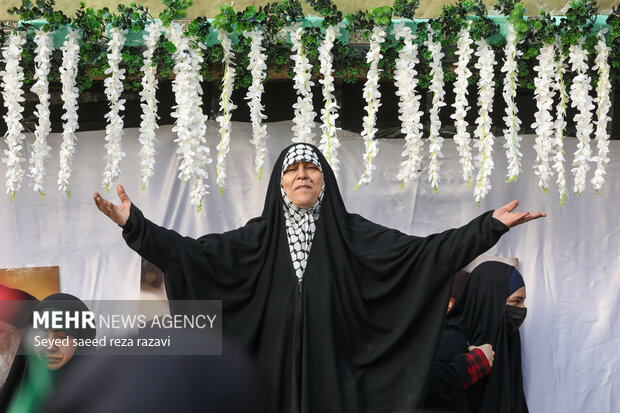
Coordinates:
<point>512,219</point>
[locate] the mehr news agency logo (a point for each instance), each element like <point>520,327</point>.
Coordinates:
<point>66,320</point>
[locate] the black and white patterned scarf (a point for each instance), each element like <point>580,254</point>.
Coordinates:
<point>300,222</point>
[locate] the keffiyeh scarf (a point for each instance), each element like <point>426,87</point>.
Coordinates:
<point>300,222</point>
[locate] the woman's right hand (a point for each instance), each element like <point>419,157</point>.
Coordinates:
<point>117,213</point>
<point>487,349</point>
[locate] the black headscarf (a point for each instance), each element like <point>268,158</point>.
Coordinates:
<point>70,303</point>
<point>479,314</point>
<point>359,334</point>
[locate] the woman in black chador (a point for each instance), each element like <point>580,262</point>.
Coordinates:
<point>477,368</point>
<point>341,314</point>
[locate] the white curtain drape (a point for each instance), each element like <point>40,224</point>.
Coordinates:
<point>570,260</point>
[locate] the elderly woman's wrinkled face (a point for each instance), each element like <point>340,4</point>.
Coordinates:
<point>302,183</point>
<point>59,351</point>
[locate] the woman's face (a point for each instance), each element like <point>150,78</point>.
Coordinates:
<point>302,183</point>
<point>517,298</point>
<point>59,351</point>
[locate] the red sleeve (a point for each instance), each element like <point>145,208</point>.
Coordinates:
<point>477,366</point>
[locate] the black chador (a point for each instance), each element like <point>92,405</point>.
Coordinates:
<point>358,332</point>
<point>479,316</point>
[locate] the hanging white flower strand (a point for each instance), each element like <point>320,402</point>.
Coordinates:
<point>437,88</point>
<point>486,90</point>
<point>226,107</point>
<point>406,80</point>
<point>68,74</point>
<point>512,121</point>
<point>12,95</point>
<point>604,104</point>
<point>329,140</point>
<point>543,120</point>
<point>372,97</point>
<point>580,99</point>
<point>113,90</point>
<point>462,138</point>
<point>304,111</point>
<point>559,164</point>
<point>257,68</point>
<point>183,127</point>
<point>40,149</point>
<point>190,125</point>
<point>148,99</point>
<point>198,131</point>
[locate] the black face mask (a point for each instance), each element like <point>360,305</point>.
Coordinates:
<point>514,317</point>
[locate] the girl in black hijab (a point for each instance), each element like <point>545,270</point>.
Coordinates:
<point>27,387</point>
<point>466,375</point>
<point>341,314</point>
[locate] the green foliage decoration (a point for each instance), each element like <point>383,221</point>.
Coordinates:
<point>246,20</point>
<point>405,9</point>
<point>348,62</point>
<point>579,21</point>
<point>516,16</point>
<point>41,10</point>
<point>175,10</point>
<point>328,10</point>
<point>348,59</point>
<point>366,21</point>
<point>226,19</point>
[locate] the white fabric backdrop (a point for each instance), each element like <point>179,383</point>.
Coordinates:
<point>570,260</point>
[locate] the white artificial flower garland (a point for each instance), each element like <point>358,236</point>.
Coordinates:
<point>372,97</point>
<point>581,100</point>
<point>559,164</point>
<point>601,64</point>
<point>40,149</point>
<point>198,130</point>
<point>68,74</point>
<point>304,111</point>
<point>183,74</point>
<point>113,90</point>
<point>12,95</point>
<point>462,138</point>
<point>543,92</point>
<point>257,66</point>
<point>329,140</point>
<point>437,88</point>
<point>486,90</point>
<point>148,99</point>
<point>190,125</point>
<point>226,106</point>
<point>512,121</point>
<point>406,80</point>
